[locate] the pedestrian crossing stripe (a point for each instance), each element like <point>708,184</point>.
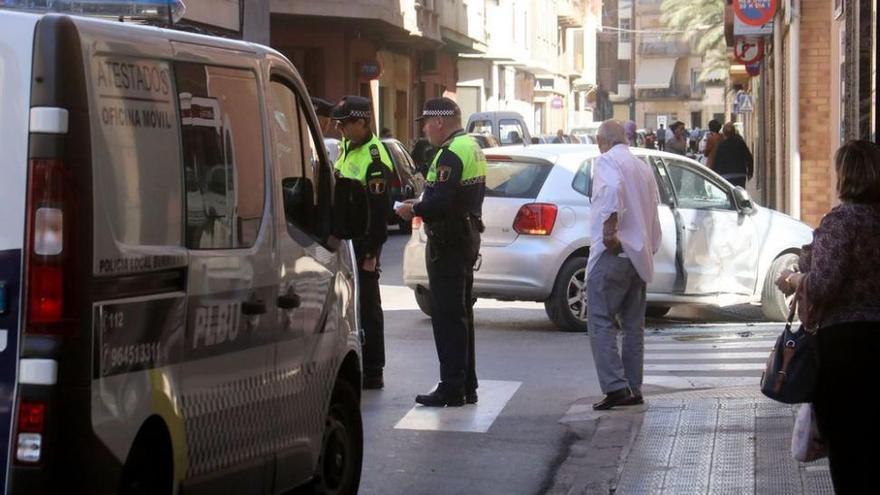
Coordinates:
<point>473,418</point>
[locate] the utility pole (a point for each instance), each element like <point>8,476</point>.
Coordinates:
<point>632,61</point>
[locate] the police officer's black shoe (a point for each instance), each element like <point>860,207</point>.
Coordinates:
<point>470,397</point>
<point>440,397</point>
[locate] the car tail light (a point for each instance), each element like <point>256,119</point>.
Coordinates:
<point>31,423</point>
<point>49,241</point>
<point>535,219</point>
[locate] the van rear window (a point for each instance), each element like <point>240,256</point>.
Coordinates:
<point>515,179</point>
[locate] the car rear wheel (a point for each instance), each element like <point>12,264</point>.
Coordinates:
<point>567,305</point>
<point>656,311</point>
<point>775,304</point>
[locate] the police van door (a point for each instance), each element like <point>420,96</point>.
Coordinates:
<point>231,286</point>
<point>306,268</point>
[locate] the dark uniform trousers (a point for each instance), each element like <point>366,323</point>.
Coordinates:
<point>372,321</point>
<point>450,264</point>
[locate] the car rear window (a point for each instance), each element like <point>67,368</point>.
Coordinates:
<point>515,179</point>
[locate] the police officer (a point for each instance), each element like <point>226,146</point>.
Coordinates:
<point>363,157</point>
<point>451,208</point>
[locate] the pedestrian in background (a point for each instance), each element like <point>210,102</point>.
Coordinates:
<point>451,207</point>
<point>661,138</point>
<point>677,141</point>
<point>733,160</point>
<point>838,294</point>
<point>629,127</point>
<point>712,141</point>
<point>560,137</point>
<point>694,138</point>
<point>624,235</point>
<point>364,158</point>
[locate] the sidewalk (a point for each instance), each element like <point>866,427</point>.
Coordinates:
<point>714,441</point>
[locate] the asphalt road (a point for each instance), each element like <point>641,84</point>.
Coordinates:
<point>511,442</point>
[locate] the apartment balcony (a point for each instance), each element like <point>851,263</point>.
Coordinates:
<point>571,13</point>
<point>673,92</point>
<point>461,24</point>
<point>664,48</point>
<point>648,6</point>
<point>385,10</point>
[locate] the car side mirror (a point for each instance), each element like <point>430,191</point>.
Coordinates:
<point>742,198</point>
<point>298,197</point>
<point>350,209</point>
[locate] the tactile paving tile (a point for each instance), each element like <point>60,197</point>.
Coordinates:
<point>718,442</point>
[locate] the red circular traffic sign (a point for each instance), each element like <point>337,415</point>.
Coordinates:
<point>748,50</point>
<point>755,12</point>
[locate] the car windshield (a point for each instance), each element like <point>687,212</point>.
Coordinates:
<point>515,179</point>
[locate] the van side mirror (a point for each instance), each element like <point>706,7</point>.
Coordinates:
<point>299,196</point>
<point>742,198</point>
<point>350,209</point>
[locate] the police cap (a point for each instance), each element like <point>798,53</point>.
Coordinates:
<point>439,107</point>
<point>351,107</point>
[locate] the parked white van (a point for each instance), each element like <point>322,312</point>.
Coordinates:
<point>177,308</point>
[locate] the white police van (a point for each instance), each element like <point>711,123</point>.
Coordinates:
<point>177,312</point>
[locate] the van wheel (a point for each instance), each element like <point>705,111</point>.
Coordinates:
<point>148,468</point>
<point>423,299</point>
<point>342,447</point>
<point>774,304</point>
<point>567,305</point>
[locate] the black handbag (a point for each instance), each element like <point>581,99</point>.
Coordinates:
<point>793,366</point>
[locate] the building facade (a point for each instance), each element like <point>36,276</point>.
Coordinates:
<point>667,84</point>
<point>816,89</point>
<point>397,52</point>
<point>539,61</point>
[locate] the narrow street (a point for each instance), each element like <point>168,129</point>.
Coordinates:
<point>531,374</point>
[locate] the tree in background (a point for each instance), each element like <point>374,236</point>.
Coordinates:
<point>700,22</point>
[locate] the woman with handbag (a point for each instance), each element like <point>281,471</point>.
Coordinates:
<point>838,292</point>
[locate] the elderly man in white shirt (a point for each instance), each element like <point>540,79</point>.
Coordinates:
<point>624,235</point>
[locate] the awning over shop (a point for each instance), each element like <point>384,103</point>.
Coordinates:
<point>655,73</point>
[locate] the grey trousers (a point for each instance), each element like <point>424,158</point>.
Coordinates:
<point>616,301</point>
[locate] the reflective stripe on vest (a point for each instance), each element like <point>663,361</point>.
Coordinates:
<point>353,164</point>
<point>471,155</point>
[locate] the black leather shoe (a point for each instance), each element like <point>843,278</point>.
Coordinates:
<point>622,397</point>
<point>634,400</point>
<point>374,382</point>
<point>470,397</point>
<point>440,398</point>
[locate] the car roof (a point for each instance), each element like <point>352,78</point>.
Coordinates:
<point>497,114</point>
<point>558,153</point>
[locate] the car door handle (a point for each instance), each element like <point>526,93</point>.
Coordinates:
<point>693,227</point>
<point>253,308</point>
<point>288,301</point>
